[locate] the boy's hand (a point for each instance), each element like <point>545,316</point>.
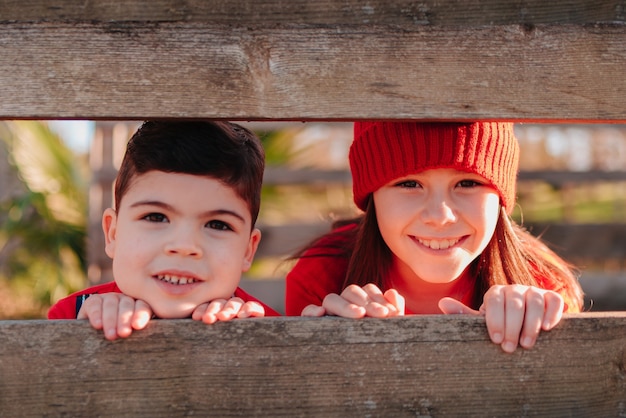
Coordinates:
<point>115,313</point>
<point>358,302</point>
<point>514,313</point>
<point>225,310</point>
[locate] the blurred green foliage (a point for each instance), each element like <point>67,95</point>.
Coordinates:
<point>43,218</point>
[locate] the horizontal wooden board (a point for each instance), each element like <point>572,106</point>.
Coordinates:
<point>322,12</point>
<point>413,366</point>
<point>136,70</point>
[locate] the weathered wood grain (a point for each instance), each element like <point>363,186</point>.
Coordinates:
<point>308,62</point>
<point>323,12</point>
<point>413,366</point>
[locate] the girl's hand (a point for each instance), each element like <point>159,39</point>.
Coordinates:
<point>514,313</point>
<point>115,313</point>
<point>358,302</point>
<point>225,310</point>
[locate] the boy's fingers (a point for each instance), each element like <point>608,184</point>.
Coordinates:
<point>125,312</point>
<point>198,313</point>
<point>92,310</point>
<point>230,309</point>
<point>210,315</point>
<point>251,309</point>
<point>142,315</point>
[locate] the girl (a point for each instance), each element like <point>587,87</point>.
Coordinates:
<point>436,236</point>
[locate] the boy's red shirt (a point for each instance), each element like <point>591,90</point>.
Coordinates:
<point>68,307</point>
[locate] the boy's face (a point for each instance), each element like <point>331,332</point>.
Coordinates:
<point>179,240</point>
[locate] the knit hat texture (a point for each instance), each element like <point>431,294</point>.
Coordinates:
<point>384,151</point>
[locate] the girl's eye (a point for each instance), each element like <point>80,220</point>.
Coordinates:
<point>469,183</point>
<point>409,184</point>
<point>155,217</point>
<point>219,225</point>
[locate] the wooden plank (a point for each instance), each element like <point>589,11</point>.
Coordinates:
<point>423,365</point>
<point>323,12</point>
<point>395,68</point>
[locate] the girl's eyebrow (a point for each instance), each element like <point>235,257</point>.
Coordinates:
<point>170,208</point>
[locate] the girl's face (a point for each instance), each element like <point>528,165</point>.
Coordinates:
<point>436,222</point>
<point>179,240</point>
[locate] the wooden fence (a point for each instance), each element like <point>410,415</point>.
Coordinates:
<point>300,60</point>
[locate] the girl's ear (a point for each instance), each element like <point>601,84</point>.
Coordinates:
<point>109,226</point>
<point>253,244</point>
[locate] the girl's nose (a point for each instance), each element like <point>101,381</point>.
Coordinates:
<point>438,210</point>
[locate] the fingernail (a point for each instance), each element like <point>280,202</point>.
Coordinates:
<point>497,338</point>
<point>527,342</point>
<point>509,347</point>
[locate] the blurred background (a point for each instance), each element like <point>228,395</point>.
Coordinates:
<point>56,179</point>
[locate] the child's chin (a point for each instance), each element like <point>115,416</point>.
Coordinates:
<point>173,313</point>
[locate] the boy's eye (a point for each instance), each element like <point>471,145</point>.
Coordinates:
<point>409,184</point>
<point>155,217</point>
<point>219,225</point>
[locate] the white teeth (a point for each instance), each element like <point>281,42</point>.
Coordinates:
<point>176,279</point>
<point>440,244</point>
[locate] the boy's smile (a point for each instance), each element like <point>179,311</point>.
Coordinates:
<point>179,240</point>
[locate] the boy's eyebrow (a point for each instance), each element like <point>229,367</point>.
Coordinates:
<point>170,208</point>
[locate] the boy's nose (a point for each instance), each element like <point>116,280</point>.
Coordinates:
<point>184,243</point>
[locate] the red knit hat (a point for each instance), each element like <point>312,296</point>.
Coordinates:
<point>384,151</point>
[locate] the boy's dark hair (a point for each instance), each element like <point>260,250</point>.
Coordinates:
<point>224,151</point>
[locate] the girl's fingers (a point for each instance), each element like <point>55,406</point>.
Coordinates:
<point>514,314</point>
<point>493,307</point>
<point>396,299</point>
<point>371,298</point>
<point>452,306</point>
<point>554,307</point>
<point>334,304</point>
<point>313,311</point>
<point>356,295</point>
<point>534,312</point>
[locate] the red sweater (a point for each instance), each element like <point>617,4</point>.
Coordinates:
<point>319,272</point>
<point>322,270</point>
<point>68,307</point>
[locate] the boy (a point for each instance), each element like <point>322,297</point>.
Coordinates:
<point>187,197</point>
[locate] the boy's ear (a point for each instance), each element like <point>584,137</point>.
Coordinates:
<point>109,226</point>
<point>253,244</point>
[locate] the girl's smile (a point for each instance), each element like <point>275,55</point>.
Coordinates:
<point>438,244</point>
<point>436,222</point>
